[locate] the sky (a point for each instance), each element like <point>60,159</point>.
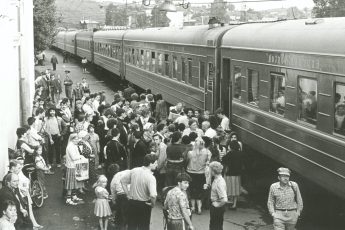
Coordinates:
<point>256,6</point>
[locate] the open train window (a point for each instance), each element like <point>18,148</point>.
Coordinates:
<point>339,104</point>
<point>237,82</point>
<point>277,94</point>
<point>142,56</point>
<point>307,100</point>
<point>253,87</point>
<point>183,69</point>
<point>174,73</point>
<point>190,71</point>
<point>166,65</point>
<point>148,59</point>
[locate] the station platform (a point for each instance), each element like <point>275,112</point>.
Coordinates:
<point>55,214</point>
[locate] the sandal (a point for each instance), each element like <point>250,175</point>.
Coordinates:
<point>76,199</point>
<point>71,202</point>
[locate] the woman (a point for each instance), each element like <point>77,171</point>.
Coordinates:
<point>197,159</point>
<point>72,158</point>
<point>85,149</point>
<point>193,127</point>
<point>233,168</point>
<point>24,186</point>
<point>22,145</point>
<point>177,206</point>
<point>161,110</point>
<point>8,215</point>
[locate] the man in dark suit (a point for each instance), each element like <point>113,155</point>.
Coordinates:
<point>139,152</point>
<point>11,192</point>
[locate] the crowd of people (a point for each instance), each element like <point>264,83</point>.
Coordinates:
<point>138,150</point>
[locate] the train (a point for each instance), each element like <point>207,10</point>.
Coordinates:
<point>281,83</point>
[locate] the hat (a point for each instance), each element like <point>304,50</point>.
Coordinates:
<point>284,171</point>
<point>67,71</point>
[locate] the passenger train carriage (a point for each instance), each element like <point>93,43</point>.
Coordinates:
<point>282,83</point>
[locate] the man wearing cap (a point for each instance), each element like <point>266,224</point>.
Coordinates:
<point>68,85</point>
<point>284,201</point>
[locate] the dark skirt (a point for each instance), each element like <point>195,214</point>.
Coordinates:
<point>196,186</point>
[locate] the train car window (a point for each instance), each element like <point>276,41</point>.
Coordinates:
<point>253,87</point>
<point>174,74</point>
<point>183,74</point>
<point>160,63</point>
<point>190,71</point>
<point>237,84</point>
<point>277,94</point>
<point>307,99</point>
<point>210,76</point>
<point>137,57</point>
<point>202,75</point>
<point>153,60</point>
<point>339,115</point>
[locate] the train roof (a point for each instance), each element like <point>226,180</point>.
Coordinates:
<point>318,36</point>
<point>84,34</point>
<point>193,35</point>
<point>71,33</point>
<point>109,34</point>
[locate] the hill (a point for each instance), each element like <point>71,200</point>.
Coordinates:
<point>72,11</point>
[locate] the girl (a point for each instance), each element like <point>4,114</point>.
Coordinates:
<point>42,168</point>
<point>8,215</point>
<point>94,141</point>
<point>102,208</point>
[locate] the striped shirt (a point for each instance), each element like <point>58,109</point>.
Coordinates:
<point>283,197</point>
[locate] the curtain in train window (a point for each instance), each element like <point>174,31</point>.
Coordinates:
<point>153,60</point>
<point>339,103</point>
<point>137,57</point>
<point>160,63</point>
<point>148,59</point>
<point>253,87</point>
<point>183,69</point>
<point>277,96</point>
<point>174,73</point>
<point>307,100</point>
<point>166,65</point>
<point>190,71</point>
<point>237,82</point>
<point>202,75</point>
<point>142,57</point>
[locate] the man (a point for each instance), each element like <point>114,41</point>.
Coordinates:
<point>56,89</point>
<point>139,151</point>
<point>284,201</point>
<point>142,194</point>
<point>128,92</point>
<point>115,152</point>
<point>177,205</point>
<point>54,61</point>
<point>119,199</point>
<point>209,132</point>
<point>218,196</point>
<point>68,85</point>
<point>11,192</point>
<point>225,123</point>
<point>162,160</point>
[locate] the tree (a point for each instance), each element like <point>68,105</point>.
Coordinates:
<point>218,10</point>
<point>44,23</point>
<point>329,8</point>
<point>116,15</point>
<point>159,18</point>
<point>294,13</point>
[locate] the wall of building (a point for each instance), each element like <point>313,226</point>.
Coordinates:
<point>16,72</point>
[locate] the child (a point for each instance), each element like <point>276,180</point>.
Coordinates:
<point>94,141</point>
<point>41,167</point>
<point>102,208</point>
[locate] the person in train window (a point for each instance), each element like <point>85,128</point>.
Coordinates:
<point>285,202</point>
<point>309,106</point>
<point>279,104</point>
<point>339,119</point>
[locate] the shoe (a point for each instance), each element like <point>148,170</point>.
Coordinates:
<point>75,198</point>
<point>45,197</point>
<point>58,165</point>
<point>198,212</point>
<point>71,202</point>
<point>99,166</point>
<point>37,227</point>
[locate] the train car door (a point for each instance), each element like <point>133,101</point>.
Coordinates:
<point>209,86</point>
<point>225,89</point>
